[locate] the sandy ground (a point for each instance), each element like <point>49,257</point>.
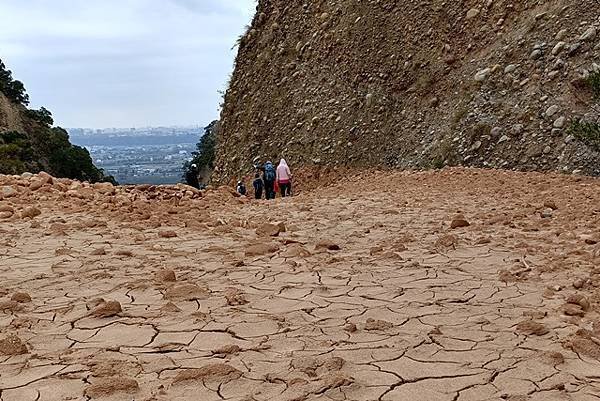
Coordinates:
<point>369,294</point>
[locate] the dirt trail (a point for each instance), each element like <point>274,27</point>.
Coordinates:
<point>368,294</point>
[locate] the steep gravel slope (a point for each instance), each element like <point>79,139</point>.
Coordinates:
<point>414,84</point>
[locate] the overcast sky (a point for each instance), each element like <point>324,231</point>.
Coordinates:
<point>123,63</point>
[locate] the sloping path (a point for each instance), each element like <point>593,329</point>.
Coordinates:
<point>367,295</point>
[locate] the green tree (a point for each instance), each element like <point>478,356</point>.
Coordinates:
<point>12,89</point>
<point>16,153</point>
<point>203,159</point>
<point>42,116</point>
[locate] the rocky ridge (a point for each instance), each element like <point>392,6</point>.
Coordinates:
<point>410,84</point>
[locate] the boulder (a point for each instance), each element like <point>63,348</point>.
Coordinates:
<point>459,222</point>
<point>8,191</point>
<point>107,309</point>
<point>30,212</point>
<point>327,244</point>
<point>261,249</point>
<point>165,275</point>
<point>108,386</point>
<point>167,234</point>
<point>46,178</point>
<point>105,188</point>
<point>12,345</point>
<point>269,230</point>
<point>530,327</point>
<point>21,297</point>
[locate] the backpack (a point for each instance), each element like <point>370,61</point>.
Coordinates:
<point>270,174</point>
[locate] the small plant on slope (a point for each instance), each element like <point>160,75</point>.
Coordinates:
<point>587,132</point>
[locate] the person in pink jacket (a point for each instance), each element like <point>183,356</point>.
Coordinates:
<point>284,179</point>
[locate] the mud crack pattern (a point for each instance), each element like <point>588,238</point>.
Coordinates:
<point>366,293</point>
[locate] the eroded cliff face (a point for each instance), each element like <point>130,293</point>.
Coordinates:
<point>407,84</point>
<point>10,115</point>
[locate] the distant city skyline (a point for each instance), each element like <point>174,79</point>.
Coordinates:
<point>140,128</point>
<point>124,63</point>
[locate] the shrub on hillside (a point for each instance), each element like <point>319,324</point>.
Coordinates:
<point>16,153</point>
<point>587,132</point>
<point>594,82</point>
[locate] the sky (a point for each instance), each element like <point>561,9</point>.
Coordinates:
<point>123,63</point>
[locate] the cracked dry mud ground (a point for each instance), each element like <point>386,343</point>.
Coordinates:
<point>406,309</point>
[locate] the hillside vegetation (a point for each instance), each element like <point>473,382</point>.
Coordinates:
<point>30,143</point>
<point>408,84</point>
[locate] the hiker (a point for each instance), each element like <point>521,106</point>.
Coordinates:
<point>191,176</point>
<point>269,177</point>
<point>258,186</point>
<point>241,188</point>
<point>284,179</point>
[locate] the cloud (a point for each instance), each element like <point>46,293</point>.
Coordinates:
<point>126,63</point>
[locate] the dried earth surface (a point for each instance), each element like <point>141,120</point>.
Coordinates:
<point>361,291</point>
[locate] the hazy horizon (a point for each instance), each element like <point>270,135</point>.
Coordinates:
<point>104,64</point>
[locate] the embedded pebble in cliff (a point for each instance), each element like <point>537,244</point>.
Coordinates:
<point>552,110</point>
<point>589,34</point>
<point>472,13</point>
<point>560,122</point>
<point>562,34</point>
<point>536,54</point>
<point>558,48</point>
<point>482,75</point>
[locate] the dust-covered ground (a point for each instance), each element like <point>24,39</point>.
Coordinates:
<point>360,291</point>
